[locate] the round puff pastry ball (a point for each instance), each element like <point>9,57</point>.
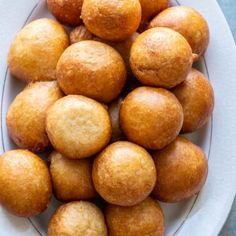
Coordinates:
<point>27,113</point>
<point>78,127</point>
<point>187,22</point>
<point>124,174</point>
<point>34,52</point>
<point>66,11</point>
<point>80,33</point>
<point>25,183</point>
<point>181,171</point>
<point>151,117</point>
<point>145,218</point>
<point>114,111</point>
<point>161,57</point>
<point>92,69</point>
<point>112,20</point>
<point>78,218</point>
<point>196,96</point>
<point>72,179</point>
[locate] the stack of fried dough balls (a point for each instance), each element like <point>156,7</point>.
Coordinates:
<point>109,109</point>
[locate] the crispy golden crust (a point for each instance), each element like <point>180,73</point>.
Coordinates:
<point>124,174</point>
<point>112,20</point>
<point>151,117</point>
<point>114,110</point>
<point>150,9</point>
<point>196,96</point>
<point>160,57</point>
<point>27,113</point>
<point>78,127</point>
<point>144,219</point>
<point>72,179</point>
<point>92,69</point>
<point>25,183</point>
<point>26,57</point>
<point>181,171</point>
<point>187,22</point>
<point>80,33</point>
<point>77,218</point>
<point>66,11</point>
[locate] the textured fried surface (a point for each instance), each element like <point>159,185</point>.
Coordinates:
<point>187,22</point>
<point>34,52</point>
<point>77,219</point>
<point>72,179</point>
<point>196,96</point>
<point>151,117</point>
<point>143,219</point>
<point>78,126</point>
<point>92,69</point>
<point>181,171</point>
<point>27,113</point>
<point>25,183</point>
<point>112,20</point>
<point>124,173</point>
<point>161,57</point>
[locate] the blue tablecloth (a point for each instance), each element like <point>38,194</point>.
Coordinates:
<point>229,9</point>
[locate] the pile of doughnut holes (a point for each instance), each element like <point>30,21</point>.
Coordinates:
<point>108,100</point>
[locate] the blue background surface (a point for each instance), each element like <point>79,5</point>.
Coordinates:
<point>229,9</point>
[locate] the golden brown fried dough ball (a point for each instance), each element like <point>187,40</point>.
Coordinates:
<point>112,20</point>
<point>27,113</point>
<point>80,33</point>
<point>161,57</point>
<point>77,218</point>
<point>25,183</point>
<point>196,96</point>
<point>78,127</point>
<point>151,117</point>
<point>72,179</point>
<point>144,219</point>
<point>124,174</point>
<point>34,52</point>
<point>187,22</point>
<point>66,11</point>
<point>92,69</point>
<point>151,8</point>
<point>114,110</point>
<point>181,171</point>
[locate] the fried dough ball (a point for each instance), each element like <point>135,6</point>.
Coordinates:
<point>181,171</point>
<point>196,96</point>
<point>112,20</point>
<point>77,218</point>
<point>161,57</point>
<point>114,110</point>
<point>144,219</point>
<point>80,33</point>
<point>27,113</point>
<point>78,127</point>
<point>124,173</point>
<point>187,22</point>
<point>72,179</point>
<point>25,183</point>
<point>66,11</point>
<point>151,117</point>
<point>34,52</point>
<point>92,69</point>
<point>151,8</point>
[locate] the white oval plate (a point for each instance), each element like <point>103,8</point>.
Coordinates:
<point>205,213</point>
